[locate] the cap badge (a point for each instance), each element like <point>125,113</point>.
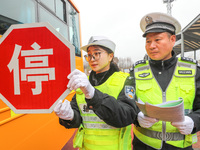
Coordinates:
<point>148,20</point>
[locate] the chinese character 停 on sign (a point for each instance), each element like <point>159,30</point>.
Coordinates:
<point>36,67</point>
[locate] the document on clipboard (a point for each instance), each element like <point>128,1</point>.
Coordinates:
<point>172,111</point>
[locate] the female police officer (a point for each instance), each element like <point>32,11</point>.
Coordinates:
<point>101,98</point>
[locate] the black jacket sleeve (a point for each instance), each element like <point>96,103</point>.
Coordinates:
<point>195,114</point>
<point>117,113</point>
<point>77,120</point>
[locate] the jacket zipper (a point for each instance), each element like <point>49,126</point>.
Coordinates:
<point>163,100</point>
<point>163,122</point>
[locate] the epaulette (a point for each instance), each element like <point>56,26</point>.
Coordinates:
<point>140,62</point>
<point>189,59</point>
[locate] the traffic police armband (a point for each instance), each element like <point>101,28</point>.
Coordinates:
<point>129,88</point>
<point>129,91</point>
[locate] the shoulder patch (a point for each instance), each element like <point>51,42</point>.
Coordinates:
<point>189,59</point>
<point>140,62</point>
<point>129,91</point>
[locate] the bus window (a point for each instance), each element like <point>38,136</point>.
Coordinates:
<point>60,26</point>
<point>23,11</point>
<point>74,28</point>
<point>5,23</point>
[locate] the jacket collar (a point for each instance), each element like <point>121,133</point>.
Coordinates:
<point>98,79</point>
<point>164,64</point>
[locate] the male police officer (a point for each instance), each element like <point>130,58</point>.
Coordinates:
<point>163,78</point>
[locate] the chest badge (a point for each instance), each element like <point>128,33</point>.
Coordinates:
<point>184,71</point>
<point>144,75</point>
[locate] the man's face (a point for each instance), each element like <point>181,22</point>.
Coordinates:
<point>159,45</point>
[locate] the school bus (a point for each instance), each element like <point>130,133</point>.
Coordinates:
<point>39,131</point>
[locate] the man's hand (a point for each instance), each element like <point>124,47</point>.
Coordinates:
<point>146,122</point>
<point>184,127</point>
<point>79,79</point>
<point>64,110</point>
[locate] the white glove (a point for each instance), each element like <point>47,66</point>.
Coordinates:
<point>64,110</point>
<point>146,122</point>
<point>79,79</point>
<point>184,127</point>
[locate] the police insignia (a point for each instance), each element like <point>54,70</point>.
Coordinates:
<point>148,20</point>
<point>144,75</point>
<point>130,92</point>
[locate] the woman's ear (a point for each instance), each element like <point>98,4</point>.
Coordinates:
<point>111,56</point>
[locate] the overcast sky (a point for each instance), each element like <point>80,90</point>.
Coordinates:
<point>120,21</point>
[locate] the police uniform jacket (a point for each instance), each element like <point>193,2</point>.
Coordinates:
<point>118,112</point>
<point>163,72</point>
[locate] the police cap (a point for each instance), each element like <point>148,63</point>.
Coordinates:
<point>159,22</point>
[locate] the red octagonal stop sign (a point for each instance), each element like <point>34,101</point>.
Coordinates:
<point>35,61</point>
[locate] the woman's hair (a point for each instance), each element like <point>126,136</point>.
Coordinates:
<point>114,66</point>
<point>109,51</point>
<point>103,47</point>
<point>106,49</point>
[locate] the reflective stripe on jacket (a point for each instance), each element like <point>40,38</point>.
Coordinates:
<point>148,90</point>
<point>96,133</point>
